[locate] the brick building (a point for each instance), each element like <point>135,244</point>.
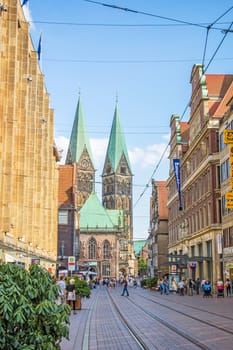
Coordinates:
<point>158,238</point>
<point>194,212</point>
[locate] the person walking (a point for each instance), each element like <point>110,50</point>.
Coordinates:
<point>181,287</point>
<point>228,287</point>
<point>197,286</point>
<point>125,287</point>
<point>62,290</point>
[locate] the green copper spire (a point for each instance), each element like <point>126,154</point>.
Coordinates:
<point>117,145</point>
<point>78,140</point>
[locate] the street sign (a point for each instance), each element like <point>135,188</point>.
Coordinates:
<point>229,196</point>
<point>231,150</point>
<point>173,268</point>
<point>229,205</point>
<point>228,136</point>
<point>71,263</point>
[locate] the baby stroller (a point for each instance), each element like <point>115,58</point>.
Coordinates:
<point>220,291</point>
<point>207,290</point>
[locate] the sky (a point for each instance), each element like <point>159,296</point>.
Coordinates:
<point>141,58</point>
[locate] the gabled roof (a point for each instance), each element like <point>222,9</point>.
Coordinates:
<point>79,139</point>
<point>94,216</point>
<point>117,145</point>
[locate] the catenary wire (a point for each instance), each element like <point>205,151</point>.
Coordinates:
<point>148,14</point>
<point>186,107</point>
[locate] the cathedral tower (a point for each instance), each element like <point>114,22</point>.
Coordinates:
<point>117,174</point>
<point>79,152</point>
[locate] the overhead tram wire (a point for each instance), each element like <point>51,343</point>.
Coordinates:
<point>208,29</point>
<point>146,14</point>
<point>186,107</point>
<point>203,25</point>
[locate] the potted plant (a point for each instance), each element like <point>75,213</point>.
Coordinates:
<point>82,289</point>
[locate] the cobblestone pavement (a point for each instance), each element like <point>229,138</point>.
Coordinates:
<point>98,326</point>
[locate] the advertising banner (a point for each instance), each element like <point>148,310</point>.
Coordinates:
<point>176,165</point>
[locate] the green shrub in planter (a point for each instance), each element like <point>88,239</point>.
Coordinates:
<point>151,282</point>
<point>30,319</point>
<point>81,287</point>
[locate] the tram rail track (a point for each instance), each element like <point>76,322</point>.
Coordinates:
<point>206,322</point>
<point>191,339</point>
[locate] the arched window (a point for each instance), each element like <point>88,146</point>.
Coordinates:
<point>106,249</point>
<point>106,269</point>
<point>92,249</point>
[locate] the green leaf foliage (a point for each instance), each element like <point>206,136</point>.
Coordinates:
<point>81,287</point>
<point>30,318</point>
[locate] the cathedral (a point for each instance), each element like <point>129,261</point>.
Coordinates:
<point>95,234</point>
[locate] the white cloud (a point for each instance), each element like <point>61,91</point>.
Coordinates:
<point>27,14</point>
<point>62,144</point>
<point>144,158</point>
<point>99,149</point>
<point>148,156</point>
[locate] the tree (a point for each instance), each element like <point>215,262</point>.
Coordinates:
<point>30,318</point>
<point>142,266</point>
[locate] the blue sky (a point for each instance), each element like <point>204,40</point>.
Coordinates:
<point>146,61</point>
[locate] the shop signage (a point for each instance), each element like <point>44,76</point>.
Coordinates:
<point>35,261</point>
<point>71,263</point>
<point>192,265</point>
<point>229,196</point>
<point>173,268</point>
<point>229,205</point>
<point>228,136</point>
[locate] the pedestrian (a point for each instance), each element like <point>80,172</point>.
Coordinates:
<point>197,286</point>
<point>228,287</point>
<point>161,288</point>
<point>191,286</point>
<point>62,290</point>
<point>125,287</point>
<point>181,287</point>
<point>173,285</point>
<point>166,285</point>
<point>71,297</point>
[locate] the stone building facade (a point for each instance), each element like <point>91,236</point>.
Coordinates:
<point>158,238</point>
<point>28,156</point>
<point>194,212</point>
<point>225,241</point>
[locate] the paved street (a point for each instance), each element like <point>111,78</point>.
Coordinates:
<point>148,320</point>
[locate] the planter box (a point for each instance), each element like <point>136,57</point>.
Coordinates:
<point>78,303</point>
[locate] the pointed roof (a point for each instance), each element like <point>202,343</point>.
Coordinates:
<point>79,139</point>
<point>117,145</point>
<point>94,216</point>
<point>138,245</point>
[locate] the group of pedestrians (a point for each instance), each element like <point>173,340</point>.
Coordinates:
<point>66,292</point>
<point>191,286</point>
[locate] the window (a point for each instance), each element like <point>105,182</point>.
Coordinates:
<point>106,250</point>
<point>63,217</point>
<point>92,249</point>
<point>123,170</point>
<point>106,270</point>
